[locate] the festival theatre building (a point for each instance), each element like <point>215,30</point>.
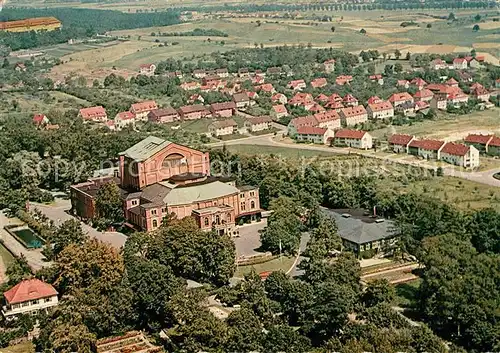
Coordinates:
<point>159,178</point>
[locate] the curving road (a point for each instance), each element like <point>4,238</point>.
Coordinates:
<point>484,177</point>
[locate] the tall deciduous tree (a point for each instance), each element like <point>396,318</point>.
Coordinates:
<point>109,204</point>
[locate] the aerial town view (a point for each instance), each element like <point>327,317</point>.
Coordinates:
<point>250,176</point>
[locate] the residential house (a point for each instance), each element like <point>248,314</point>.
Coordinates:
<point>222,128</point>
<point>399,143</point>
<point>374,100</point>
<point>323,98</point>
<point>353,115</point>
<point>329,66</point>
<point>343,80</point>
<point>377,78</point>
<point>480,93</point>
<point>258,124</point>
<point>493,146</point>
<point>456,97</point>
<point>297,85</point>
<point>319,82</point>
<point>381,110</point>
<point>350,101</point>
<point>96,114</point>
<point>334,105</point>
<point>406,108</point>
<point>243,72</point>
<point>421,106</point>
<point>303,121</point>
<point>252,96</point>
<point>124,119</point>
<point>193,112</point>
<point>438,64</point>
<point>461,155</point>
<point>190,86</point>
<point>360,233</point>
<point>477,62</point>
<point>465,76</point>
<point>419,83</point>
<point>162,116</point>
<point>459,64</point>
<point>147,69</point>
<point>266,87</point>
<point>329,119</point>
<point>212,80</point>
<point>305,100</point>
<point>142,109</point>
<point>199,73</point>
<point>353,138</point>
<point>400,98</point>
<point>223,110</point>
<point>241,99</point>
<point>222,73</point>
<point>479,141</point>
<point>315,108</point>
<point>28,297</point>
<point>196,98</point>
<point>20,67</point>
<point>279,98</point>
<point>452,82</point>
<point>427,149</point>
<point>424,95</point>
<point>40,119</point>
<point>313,134</point>
<point>275,71</point>
<point>174,74</point>
<point>439,101</point>
<point>279,111</point>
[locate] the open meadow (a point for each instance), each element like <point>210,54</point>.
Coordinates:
<point>383,32</point>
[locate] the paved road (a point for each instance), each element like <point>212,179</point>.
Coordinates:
<point>58,214</point>
<point>294,271</point>
<point>484,177</point>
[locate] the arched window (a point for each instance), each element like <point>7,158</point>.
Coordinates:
<point>217,219</point>
<point>174,160</point>
<point>252,205</point>
<point>206,221</point>
<point>155,223</point>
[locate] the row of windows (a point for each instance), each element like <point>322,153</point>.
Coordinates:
<point>33,302</point>
<point>217,220</point>
<point>252,194</point>
<point>243,205</point>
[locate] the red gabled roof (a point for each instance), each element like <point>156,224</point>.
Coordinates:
<point>375,77</point>
<point>319,82</point>
<point>296,83</point>
<point>144,106</point>
<point>398,97</point>
<point>422,105</point>
<point>302,121</point>
<point>38,118</point>
<point>495,141</point>
<point>459,60</point>
<point>374,99</point>
<point>451,81</point>
<point>400,139</point>
<point>424,93</point>
<point>380,106</point>
<point>431,145</point>
<point>350,134</point>
<point>125,116</point>
<point>277,97</point>
<point>349,98</point>
<point>30,289</point>
<point>418,81</point>
<point>478,138</point>
<point>279,108</point>
<point>316,108</point>
<point>145,66</point>
<point>322,98</point>
<point>353,111</point>
<point>456,149</point>
<point>311,130</point>
<point>93,112</point>
<point>335,98</point>
<point>327,116</point>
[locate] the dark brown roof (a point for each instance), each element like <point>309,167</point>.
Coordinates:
<point>223,106</point>
<point>192,108</point>
<point>240,97</point>
<point>158,113</point>
<point>400,139</point>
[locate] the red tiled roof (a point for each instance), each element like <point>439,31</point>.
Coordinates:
<point>459,60</point>
<point>296,83</point>
<point>322,98</point>
<point>350,134</point>
<point>30,289</point>
<point>424,93</point>
<point>375,77</point>
<point>418,81</point>
<point>376,107</point>
<point>125,116</point>
<point>451,81</point>
<point>277,97</point>
<point>301,98</point>
<point>223,106</point>
<point>400,139</point>
<point>145,106</point>
<point>145,66</point>
<point>495,141</point>
<point>93,112</point>
<point>455,149</point>
<point>311,130</point>
<point>38,118</point>
<point>302,121</point>
<point>431,145</point>
<point>353,111</point>
<point>267,87</point>
<point>480,58</point>
<point>374,99</point>
<point>335,98</point>
<point>327,116</point>
<point>403,82</point>
<point>422,105</point>
<point>30,22</point>
<point>349,98</point>
<point>319,82</point>
<point>316,108</point>
<point>477,138</point>
<point>334,105</point>
<point>398,97</point>
<point>279,108</point>
<point>479,91</point>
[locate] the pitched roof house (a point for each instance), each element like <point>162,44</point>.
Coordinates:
<point>427,149</point>
<point>424,95</point>
<point>353,115</point>
<point>142,109</point>
<point>314,134</point>
<point>373,100</point>
<point>40,119</point>
<point>258,124</point>
<point>400,98</point>
<point>350,100</point>
<point>191,112</point>
<point>399,143</point>
<point>279,111</point>
<point>224,109</point>
<point>28,296</point>
<point>353,138</point>
<point>461,155</point>
<point>97,114</point>
<point>241,99</point>
<point>279,97</point>
<point>297,85</point>
<point>165,115</point>
<point>319,82</point>
<point>380,110</point>
<point>460,64</point>
<point>223,127</point>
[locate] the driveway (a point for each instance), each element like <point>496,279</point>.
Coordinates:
<point>57,213</point>
<point>249,239</point>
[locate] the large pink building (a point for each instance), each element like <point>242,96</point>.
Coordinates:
<point>159,178</point>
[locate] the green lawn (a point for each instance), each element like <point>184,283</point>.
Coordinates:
<point>406,293</point>
<point>278,151</point>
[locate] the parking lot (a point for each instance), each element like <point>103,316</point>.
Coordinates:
<point>249,239</point>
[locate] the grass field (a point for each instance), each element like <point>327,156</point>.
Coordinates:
<point>280,264</point>
<point>406,293</point>
<point>449,127</point>
<point>277,151</point>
